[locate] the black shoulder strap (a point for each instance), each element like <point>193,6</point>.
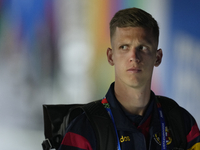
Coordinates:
<point>102,124</point>
<point>56,119</point>
<point>174,118</point>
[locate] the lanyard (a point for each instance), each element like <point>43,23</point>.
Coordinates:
<point>107,107</point>
<point>162,122</point>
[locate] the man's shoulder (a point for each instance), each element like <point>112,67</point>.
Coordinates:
<point>79,131</point>
<point>188,119</point>
<point>171,104</point>
<point>80,121</point>
<point>166,100</point>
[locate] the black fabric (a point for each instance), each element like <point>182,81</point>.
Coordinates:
<point>173,116</point>
<point>57,118</point>
<point>102,124</point>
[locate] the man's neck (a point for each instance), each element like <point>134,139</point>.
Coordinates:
<point>135,101</point>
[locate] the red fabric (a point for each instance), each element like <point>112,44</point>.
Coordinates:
<point>144,128</point>
<point>104,101</point>
<point>193,133</point>
<point>76,140</point>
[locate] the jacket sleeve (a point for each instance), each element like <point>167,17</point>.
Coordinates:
<point>79,135</point>
<point>192,131</point>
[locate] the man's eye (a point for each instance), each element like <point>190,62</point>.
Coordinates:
<point>124,47</point>
<point>143,48</point>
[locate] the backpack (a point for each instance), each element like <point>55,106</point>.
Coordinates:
<point>58,117</point>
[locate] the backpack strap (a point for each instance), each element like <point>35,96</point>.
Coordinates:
<point>102,125</point>
<point>56,119</point>
<point>174,118</point>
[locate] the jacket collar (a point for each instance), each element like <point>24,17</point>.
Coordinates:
<point>124,121</point>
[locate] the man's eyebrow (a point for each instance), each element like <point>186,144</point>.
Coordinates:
<point>147,42</point>
<point>124,42</point>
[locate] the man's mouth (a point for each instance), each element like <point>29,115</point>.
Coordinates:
<point>134,70</point>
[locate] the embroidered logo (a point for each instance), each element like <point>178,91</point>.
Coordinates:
<point>157,137</point>
<point>124,139</point>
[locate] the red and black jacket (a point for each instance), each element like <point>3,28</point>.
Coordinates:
<point>134,132</point>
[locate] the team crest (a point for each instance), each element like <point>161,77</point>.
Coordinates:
<point>157,137</point>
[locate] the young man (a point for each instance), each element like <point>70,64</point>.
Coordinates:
<point>134,39</point>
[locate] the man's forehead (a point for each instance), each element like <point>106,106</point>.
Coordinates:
<point>142,34</point>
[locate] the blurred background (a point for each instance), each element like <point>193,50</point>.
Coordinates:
<point>54,52</point>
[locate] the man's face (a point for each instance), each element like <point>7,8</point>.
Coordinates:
<point>134,54</point>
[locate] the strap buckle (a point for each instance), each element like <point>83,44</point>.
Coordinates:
<point>46,144</point>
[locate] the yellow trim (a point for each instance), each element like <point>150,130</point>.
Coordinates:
<point>195,147</point>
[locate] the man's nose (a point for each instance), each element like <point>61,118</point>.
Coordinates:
<point>134,56</point>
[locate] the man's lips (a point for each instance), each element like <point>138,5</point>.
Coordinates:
<point>134,70</point>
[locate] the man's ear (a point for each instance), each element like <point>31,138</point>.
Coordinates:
<point>159,55</point>
<point>109,56</point>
